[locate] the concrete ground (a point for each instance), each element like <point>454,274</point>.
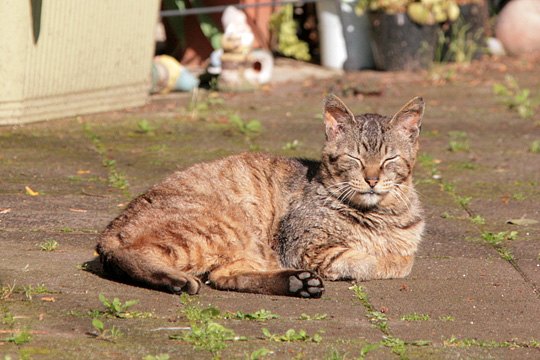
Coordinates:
<point>473,292</point>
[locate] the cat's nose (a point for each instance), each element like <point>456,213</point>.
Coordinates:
<point>372,181</point>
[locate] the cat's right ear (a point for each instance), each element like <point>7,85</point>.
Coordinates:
<point>336,115</point>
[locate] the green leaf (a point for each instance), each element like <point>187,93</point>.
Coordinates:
<point>98,324</point>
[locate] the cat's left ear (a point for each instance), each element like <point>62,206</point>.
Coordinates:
<point>336,116</point>
<point>409,118</point>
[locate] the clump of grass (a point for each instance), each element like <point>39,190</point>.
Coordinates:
<point>19,338</point>
<point>292,335</point>
<point>105,334</point>
<point>535,147</point>
<point>478,220</point>
<point>312,317</point>
<point>447,318</point>
<point>118,309</point>
<point>459,141</point>
<point>259,315</point>
<point>515,98</point>
<point>245,127</point>
<point>144,127</point>
<point>29,290</point>
<point>415,317</point>
<point>49,245</point>
<point>209,336</point>
<point>291,145</point>
<point>205,334</point>
<point>497,238</point>
<point>377,318</point>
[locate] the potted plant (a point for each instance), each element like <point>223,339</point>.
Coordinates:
<point>404,32</point>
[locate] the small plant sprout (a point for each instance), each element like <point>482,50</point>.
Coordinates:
<point>209,336</point>
<point>248,128</point>
<point>478,220</point>
<point>497,238</point>
<point>515,98</point>
<point>415,317</point>
<point>144,127</point>
<point>118,309</point>
<point>291,145</point>
<point>459,141</point>
<point>447,318</point>
<point>105,334</point>
<point>30,291</point>
<point>312,317</point>
<point>49,245</point>
<point>259,354</point>
<point>20,337</point>
<point>259,315</point>
<point>292,335</point>
<point>535,147</point>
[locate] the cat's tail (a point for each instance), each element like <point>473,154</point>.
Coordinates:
<point>143,265</point>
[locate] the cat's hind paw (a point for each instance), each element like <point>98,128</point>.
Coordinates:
<point>306,284</point>
<point>184,284</point>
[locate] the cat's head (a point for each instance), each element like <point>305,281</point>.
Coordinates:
<point>368,159</point>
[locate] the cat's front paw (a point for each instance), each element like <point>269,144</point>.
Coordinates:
<point>306,284</point>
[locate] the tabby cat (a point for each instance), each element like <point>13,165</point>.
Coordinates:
<point>273,225</point>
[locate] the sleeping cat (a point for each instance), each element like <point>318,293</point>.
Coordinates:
<point>273,225</point>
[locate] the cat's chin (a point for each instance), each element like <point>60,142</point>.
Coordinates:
<point>368,200</point>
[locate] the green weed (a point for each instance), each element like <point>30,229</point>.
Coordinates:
<point>463,201</point>
<point>291,145</point>
<point>259,354</point>
<point>115,178</point>
<point>259,315</point>
<point>377,318</point>
<point>415,317</point>
<point>19,338</point>
<point>7,317</point>
<point>248,128</point>
<point>497,238</point>
<point>29,290</point>
<point>492,344</point>
<point>105,334</point>
<point>209,336</point>
<point>366,349</point>
<point>144,127</point>
<point>478,220</point>
<point>49,245</point>
<point>535,147</point>
<point>515,98</point>
<point>505,253</point>
<point>459,141</point>
<point>519,196</point>
<point>447,318</point>
<point>312,317</point>
<point>335,355</point>
<point>116,308</point>
<point>292,335</point>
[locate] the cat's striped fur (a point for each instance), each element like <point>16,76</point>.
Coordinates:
<point>273,225</point>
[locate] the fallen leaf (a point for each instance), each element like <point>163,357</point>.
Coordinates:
<point>522,222</point>
<point>82,172</point>
<point>30,192</point>
<point>78,210</point>
<point>48,299</point>
<point>4,211</point>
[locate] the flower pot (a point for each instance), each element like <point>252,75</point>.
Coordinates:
<point>400,44</point>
